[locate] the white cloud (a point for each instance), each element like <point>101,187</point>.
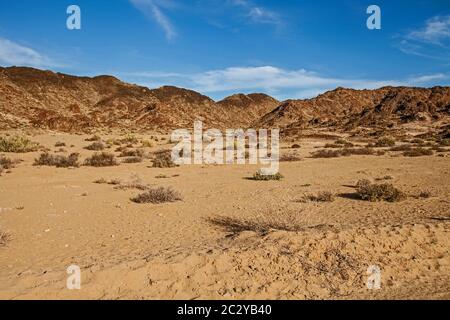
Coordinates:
<point>152,9</point>
<point>258,14</point>
<point>436,30</point>
<point>431,41</point>
<point>12,53</point>
<point>276,81</point>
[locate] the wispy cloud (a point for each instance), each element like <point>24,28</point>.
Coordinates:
<point>276,81</point>
<point>12,53</point>
<point>258,14</point>
<point>152,9</point>
<point>430,41</point>
<point>436,30</point>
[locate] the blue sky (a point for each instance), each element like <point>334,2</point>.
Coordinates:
<point>289,49</point>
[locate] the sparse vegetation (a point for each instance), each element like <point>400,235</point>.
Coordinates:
<point>290,157</point>
<point>425,194</point>
<point>94,138</point>
<point>96,146</point>
<point>17,144</point>
<point>259,176</point>
<point>46,159</point>
<point>103,159</point>
<point>133,160</point>
<point>383,142</point>
<point>378,192</point>
<point>132,153</point>
<point>418,152</point>
<point>163,159</point>
<point>346,152</point>
<point>6,163</point>
<point>261,223</point>
<point>158,195</point>
<point>4,238</point>
<point>60,144</point>
<point>323,196</point>
<point>295,146</point>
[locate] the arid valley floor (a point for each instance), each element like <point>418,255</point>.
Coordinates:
<point>229,237</point>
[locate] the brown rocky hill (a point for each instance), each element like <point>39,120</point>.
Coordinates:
<point>48,100</point>
<point>248,107</point>
<point>44,99</point>
<point>347,109</point>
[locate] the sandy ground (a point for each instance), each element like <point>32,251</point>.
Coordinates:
<point>59,217</point>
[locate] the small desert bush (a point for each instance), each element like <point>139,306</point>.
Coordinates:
<point>259,176</point>
<point>17,144</point>
<point>133,160</point>
<point>401,148</point>
<point>163,159</point>
<point>346,152</point>
<point>326,154</point>
<point>425,194</point>
<point>158,195</point>
<point>295,146</point>
<point>290,157</point>
<point>6,163</point>
<point>4,238</point>
<point>418,152</point>
<point>46,159</point>
<point>60,144</point>
<point>323,196</point>
<point>132,153</point>
<point>378,192</point>
<point>147,144</point>
<point>94,138</point>
<point>384,142</point>
<point>261,223</point>
<point>103,159</point>
<point>96,146</point>
<point>444,142</point>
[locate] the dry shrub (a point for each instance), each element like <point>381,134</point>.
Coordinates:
<point>261,223</point>
<point>133,160</point>
<point>340,143</point>
<point>4,238</point>
<point>46,159</point>
<point>158,195</point>
<point>94,138</point>
<point>346,152</point>
<point>6,163</point>
<point>444,142</point>
<point>163,159</point>
<point>295,146</point>
<point>425,194</point>
<point>259,176</point>
<point>103,159</point>
<point>135,182</point>
<point>17,144</point>
<point>418,152</point>
<point>384,142</point>
<point>323,196</point>
<point>327,154</point>
<point>60,144</point>
<point>132,153</point>
<point>401,148</point>
<point>290,157</point>
<point>378,192</point>
<point>147,144</point>
<point>96,146</point>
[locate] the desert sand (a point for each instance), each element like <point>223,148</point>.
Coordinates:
<point>203,246</point>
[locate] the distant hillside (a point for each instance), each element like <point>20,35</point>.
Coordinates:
<point>48,100</point>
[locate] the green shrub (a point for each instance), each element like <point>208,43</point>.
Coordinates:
<point>17,144</point>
